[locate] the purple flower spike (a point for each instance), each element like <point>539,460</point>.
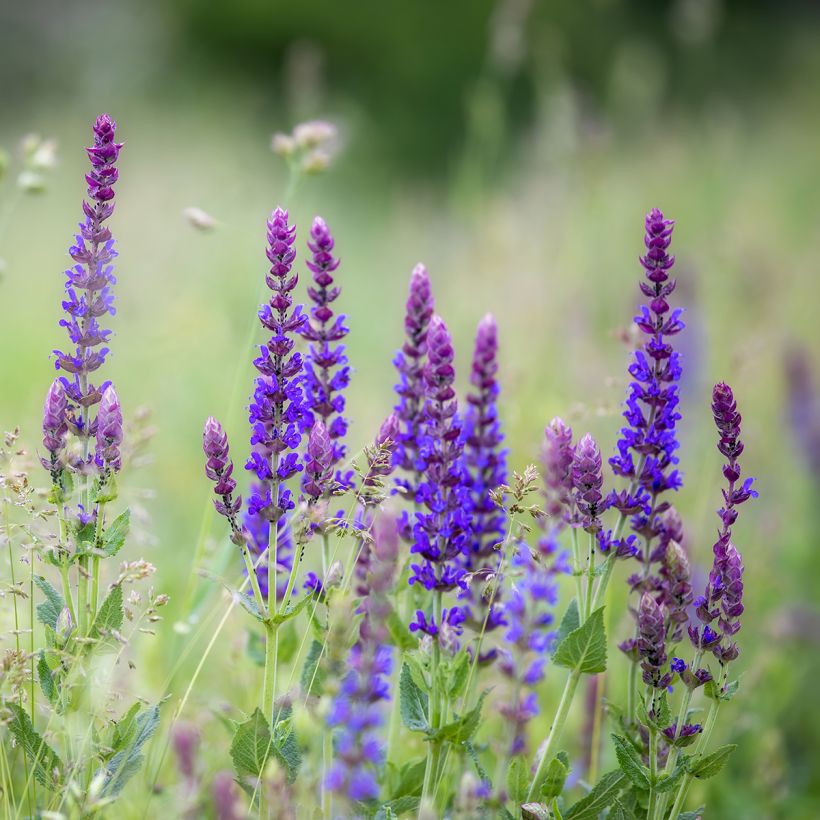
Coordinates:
<point>88,282</point>
<point>486,468</point>
<point>318,462</point>
<point>440,533</point>
<point>410,363</point>
<point>723,598</point>
<point>557,457</point>
<point>219,468</point>
<point>651,408</point>
<point>109,432</point>
<point>484,457</point>
<point>587,480</point>
<point>55,428</point>
<point>277,406</point>
<point>326,373</point>
<point>651,642</point>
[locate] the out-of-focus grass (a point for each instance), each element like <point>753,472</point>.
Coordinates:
<point>553,253</point>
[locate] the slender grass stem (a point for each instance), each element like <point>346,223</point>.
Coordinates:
<point>555,731</point>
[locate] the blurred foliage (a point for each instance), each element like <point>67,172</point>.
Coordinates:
<point>516,156</point>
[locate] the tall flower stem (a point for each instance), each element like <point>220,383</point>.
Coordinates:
<point>555,731</point>
<point>653,772</point>
<point>590,576</point>
<point>433,748</point>
<point>708,727</point>
<point>576,570</point>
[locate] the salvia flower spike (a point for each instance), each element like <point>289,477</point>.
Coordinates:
<point>485,462</point>
<point>219,469</point>
<point>89,280</point>
<point>326,371</point>
<point>277,407</point>
<point>440,532</point>
<point>109,431</point>
<point>409,363</point>
<point>55,429</point>
<point>720,607</point>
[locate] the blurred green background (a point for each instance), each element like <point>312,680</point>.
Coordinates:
<point>514,147</point>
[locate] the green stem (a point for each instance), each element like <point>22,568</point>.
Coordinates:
<point>434,710</point>
<point>555,731</point>
<point>653,773</point>
<point>269,685</point>
<point>590,575</point>
<point>327,759</point>
<point>680,798</point>
<point>95,561</point>
<point>251,570</point>
<point>576,569</point>
<point>82,594</point>
<point>674,752</point>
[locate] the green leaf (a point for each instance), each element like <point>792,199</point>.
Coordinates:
<point>127,762</point>
<point>47,683</point>
<point>412,703</point>
<point>457,676</point>
<point>697,814</point>
<point>713,691</point>
<point>603,795</point>
<point>253,745</point>
<point>50,609</point>
<point>620,812</point>
<point>668,782</point>
<point>554,777</point>
<point>630,762</point>
<point>115,534</point>
<point>110,615</point>
<point>535,811</point>
<point>569,623</point>
<point>47,766</point>
<point>292,611</point>
<point>410,779</point>
<point>518,779</point>
<point>313,678</point>
<point>584,648</point>
<point>706,767</point>
<point>480,770</point>
<point>248,603</point>
<point>125,728</point>
<point>462,728</point>
<point>663,715</point>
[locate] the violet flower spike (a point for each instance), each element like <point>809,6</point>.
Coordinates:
<point>723,598</point>
<point>587,481</point>
<point>318,480</point>
<point>651,643</point>
<point>486,469</point>
<point>409,362</point>
<point>441,532</point>
<point>277,407</point>
<point>55,429</point>
<point>219,469</point>
<point>89,281</point>
<point>109,432</point>
<point>326,372</point>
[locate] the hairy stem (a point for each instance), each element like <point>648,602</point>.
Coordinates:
<point>555,731</point>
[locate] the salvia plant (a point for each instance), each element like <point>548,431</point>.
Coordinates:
<point>406,593</point>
